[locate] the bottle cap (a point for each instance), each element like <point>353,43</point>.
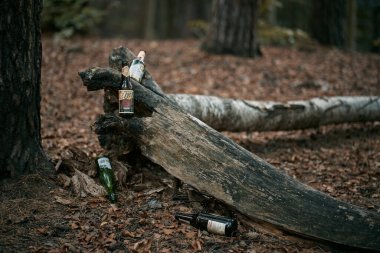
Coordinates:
<point>112,197</point>
<point>125,71</point>
<point>141,55</point>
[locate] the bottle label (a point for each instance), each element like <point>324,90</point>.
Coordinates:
<point>125,101</point>
<point>216,227</point>
<point>136,71</point>
<point>104,162</point>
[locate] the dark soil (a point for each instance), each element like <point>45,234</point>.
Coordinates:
<point>37,214</point>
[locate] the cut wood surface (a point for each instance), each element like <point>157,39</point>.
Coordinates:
<point>213,164</point>
<point>237,115</point>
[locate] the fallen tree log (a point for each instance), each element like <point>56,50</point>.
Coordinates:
<point>213,164</point>
<point>210,162</point>
<point>237,115</point>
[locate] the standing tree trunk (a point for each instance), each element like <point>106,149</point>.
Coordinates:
<point>376,30</point>
<point>233,28</point>
<point>151,6</point>
<point>328,22</point>
<point>351,21</point>
<point>20,78</point>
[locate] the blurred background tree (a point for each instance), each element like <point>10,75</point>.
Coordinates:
<point>233,28</point>
<point>328,22</point>
<point>67,17</point>
<point>348,24</point>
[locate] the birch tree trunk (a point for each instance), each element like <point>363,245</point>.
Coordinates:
<point>241,115</point>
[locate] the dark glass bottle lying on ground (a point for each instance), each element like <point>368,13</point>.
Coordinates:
<point>212,223</point>
<point>107,177</point>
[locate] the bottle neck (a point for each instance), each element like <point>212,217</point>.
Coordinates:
<point>185,217</point>
<point>112,197</point>
<point>125,83</point>
<point>103,162</point>
<point>137,61</point>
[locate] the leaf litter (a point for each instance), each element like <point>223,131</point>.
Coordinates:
<point>43,213</point>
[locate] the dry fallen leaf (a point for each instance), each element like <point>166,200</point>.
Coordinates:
<point>88,238</point>
<point>150,192</point>
<point>197,246</point>
<point>74,225</point>
<point>69,247</point>
<point>62,201</point>
<point>43,230</point>
<point>156,236</point>
<point>127,233</point>
<point>113,208</point>
<point>191,235</point>
<point>168,231</point>
<point>142,246</point>
<point>110,239</point>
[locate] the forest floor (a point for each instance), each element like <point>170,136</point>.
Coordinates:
<point>38,214</point>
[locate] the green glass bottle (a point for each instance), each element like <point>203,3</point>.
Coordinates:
<point>210,222</point>
<point>107,177</point>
